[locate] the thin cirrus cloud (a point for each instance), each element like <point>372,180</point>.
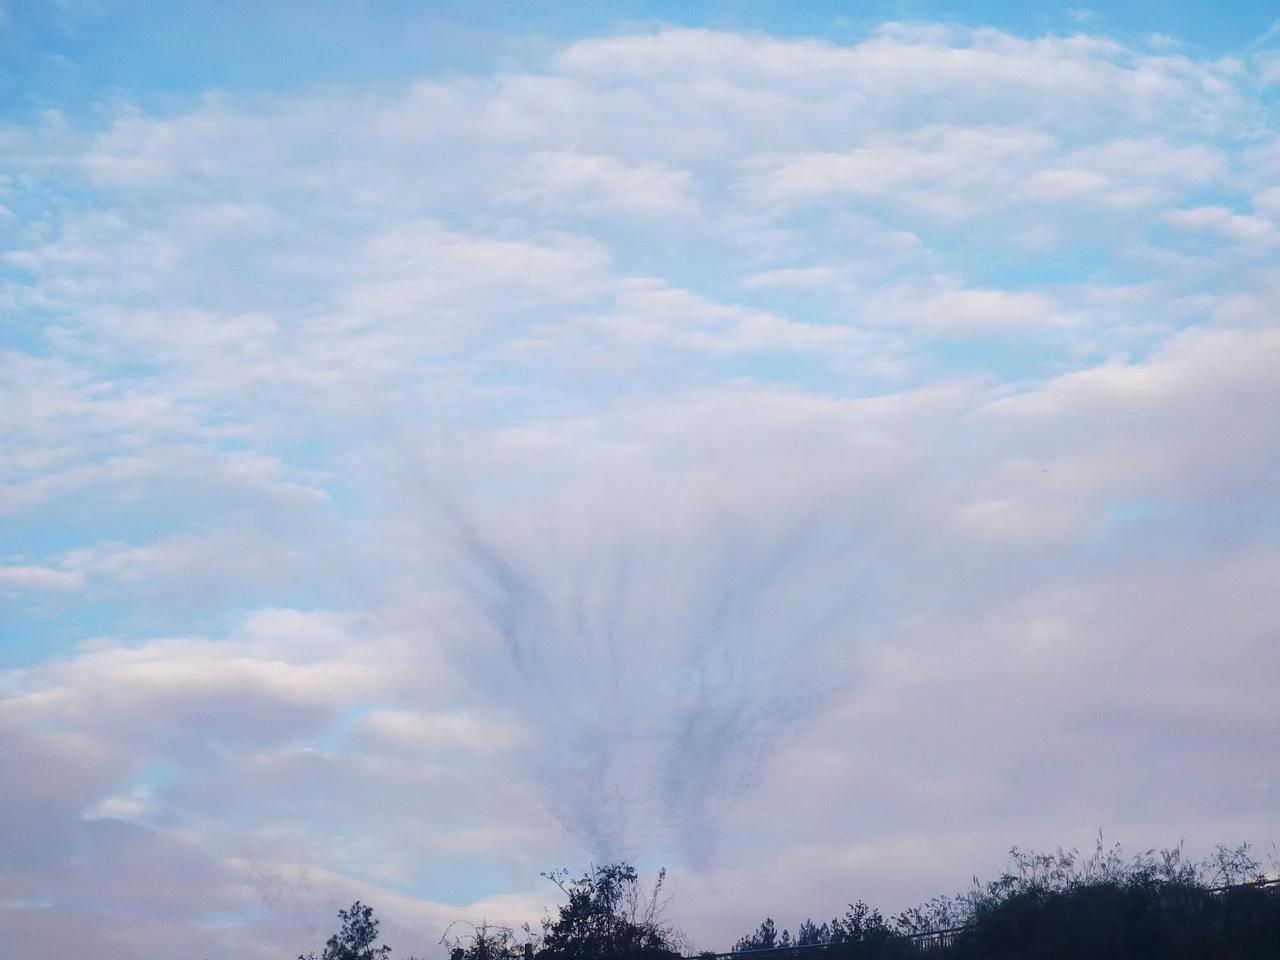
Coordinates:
<point>812,465</point>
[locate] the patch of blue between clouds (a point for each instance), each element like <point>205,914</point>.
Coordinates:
<point>157,775</point>
<point>36,628</point>
<point>459,881</point>
<point>337,737</point>
<point>1002,357</point>
<point>75,57</point>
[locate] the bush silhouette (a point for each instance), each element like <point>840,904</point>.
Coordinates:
<point>1057,906</point>
<point>607,915</point>
<point>1063,906</point>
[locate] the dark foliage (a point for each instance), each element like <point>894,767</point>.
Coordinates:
<point>607,915</point>
<point>765,938</point>
<point>1063,906</point>
<point>1058,906</point>
<point>1114,908</point>
<point>484,942</point>
<point>356,939</point>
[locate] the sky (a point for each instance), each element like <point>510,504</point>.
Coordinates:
<point>813,448</point>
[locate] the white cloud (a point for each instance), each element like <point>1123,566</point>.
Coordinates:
<point>792,278</point>
<point>651,312</point>
<point>1268,201</point>
<point>1241,227</point>
<point>40,578</point>
<point>590,184</point>
<point>939,171</point>
<point>926,64</point>
<point>1269,69</point>
<point>965,312</point>
<point>416,729</point>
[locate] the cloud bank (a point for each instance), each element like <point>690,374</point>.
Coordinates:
<point>814,467</point>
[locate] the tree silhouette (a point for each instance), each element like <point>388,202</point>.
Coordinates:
<point>1056,906</point>
<point>764,938</point>
<point>607,915</point>
<point>355,941</point>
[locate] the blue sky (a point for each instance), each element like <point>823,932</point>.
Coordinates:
<point>810,449</point>
<point>69,55</point>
